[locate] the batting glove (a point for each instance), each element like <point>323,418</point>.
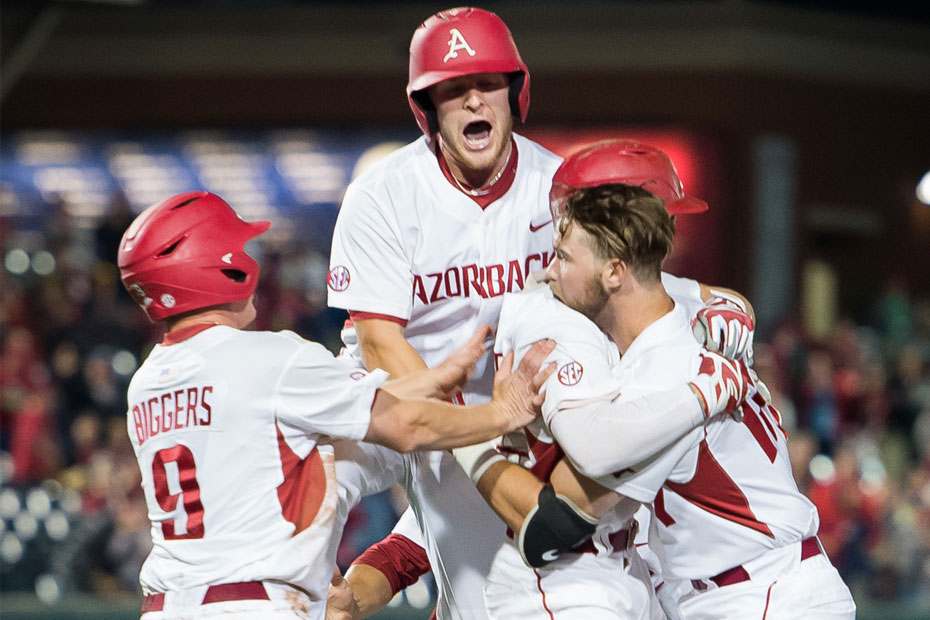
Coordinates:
<point>724,327</point>
<point>722,383</point>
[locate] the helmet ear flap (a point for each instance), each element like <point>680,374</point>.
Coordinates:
<point>421,99</point>
<point>517,83</point>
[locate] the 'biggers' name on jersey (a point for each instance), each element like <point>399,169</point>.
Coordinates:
<point>484,281</point>
<point>174,410</point>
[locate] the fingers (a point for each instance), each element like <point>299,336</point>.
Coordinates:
<point>534,358</point>
<point>544,373</point>
<point>480,338</point>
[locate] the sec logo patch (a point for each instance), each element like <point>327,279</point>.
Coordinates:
<point>570,373</point>
<point>338,278</point>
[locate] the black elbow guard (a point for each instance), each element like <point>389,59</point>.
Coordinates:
<point>555,525</point>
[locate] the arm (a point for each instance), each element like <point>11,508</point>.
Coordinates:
<point>383,346</point>
<point>406,425</point>
<point>383,570</point>
<point>604,437</point>
<point>709,292</point>
<point>370,587</point>
<point>725,323</point>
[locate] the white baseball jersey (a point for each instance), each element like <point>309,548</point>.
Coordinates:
<point>226,428</point>
<point>408,244</point>
<point>726,486</point>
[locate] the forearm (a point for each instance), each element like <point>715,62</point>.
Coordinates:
<point>383,345</point>
<point>371,589</point>
<point>606,437</point>
<point>407,425</point>
<point>383,570</point>
<point>511,491</point>
<point>709,292</point>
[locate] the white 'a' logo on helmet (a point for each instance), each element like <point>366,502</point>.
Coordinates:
<point>457,42</point>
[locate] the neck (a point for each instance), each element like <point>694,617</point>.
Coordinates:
<point>213,316</point>
<point>477,180</point>
<point>631,309</point>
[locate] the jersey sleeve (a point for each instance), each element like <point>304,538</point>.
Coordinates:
<point>321,393</point>
<point>642,481</point>
<point>583,366</point>
<point>369,269</point>
<point>364,469</point>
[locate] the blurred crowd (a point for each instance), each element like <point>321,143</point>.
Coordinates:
<point>856,407</point>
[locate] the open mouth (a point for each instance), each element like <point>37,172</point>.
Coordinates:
<point>477,134</point>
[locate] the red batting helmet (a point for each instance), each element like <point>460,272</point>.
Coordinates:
<point>186,253</point>
<point>458,42</point>
<point>622,161</point>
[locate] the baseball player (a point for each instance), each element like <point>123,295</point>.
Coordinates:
<point>228,425</point>
<point>576,587</point>
<point>727,517</point>
<point>426,244</point>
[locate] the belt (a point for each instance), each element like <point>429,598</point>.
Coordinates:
<point>810,547</point>
<point>245,591</point>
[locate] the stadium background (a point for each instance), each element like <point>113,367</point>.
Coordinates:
<point>804,124</point>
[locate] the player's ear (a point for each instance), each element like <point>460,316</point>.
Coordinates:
<point>613,273</point>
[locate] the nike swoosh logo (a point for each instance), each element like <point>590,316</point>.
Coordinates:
<point>552,554</point>
<point>227,258</point>
<point>535,227</point>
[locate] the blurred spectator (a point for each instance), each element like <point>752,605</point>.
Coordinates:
<point>821,412</point>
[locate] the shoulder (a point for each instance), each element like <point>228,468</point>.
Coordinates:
<point>536,313</point>
<point>537,155</point>
<point>395,166</point>
<point>282,342</point>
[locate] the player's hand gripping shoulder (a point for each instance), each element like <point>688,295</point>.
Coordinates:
<point>446,379</point>
<point>724,325</point>
<point>516,392</point>
<point>721,385</point>
<point>340,601</point>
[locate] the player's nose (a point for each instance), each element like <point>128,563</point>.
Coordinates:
<point>551,273</point>
<point>473,100</point>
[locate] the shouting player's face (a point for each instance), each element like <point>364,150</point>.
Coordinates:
<point>575,273</point>
<point>475,124</point>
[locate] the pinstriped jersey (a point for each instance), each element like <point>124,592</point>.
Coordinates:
<point>226,428</point>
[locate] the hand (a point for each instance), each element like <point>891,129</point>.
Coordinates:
<point>516,392</point>
<point>721,385</point>
<point>725,328</point>
<point>454,372</point>
<point>340,602</point>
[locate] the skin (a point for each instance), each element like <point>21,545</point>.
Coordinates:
<point>461,101</point>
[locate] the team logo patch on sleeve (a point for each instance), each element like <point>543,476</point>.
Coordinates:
<point>338,278</point>
<point>570,373</point>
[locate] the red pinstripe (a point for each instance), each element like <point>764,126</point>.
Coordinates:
<point>768,598</point>
<point>539,587</point>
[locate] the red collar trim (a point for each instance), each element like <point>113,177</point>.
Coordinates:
<point>497,190</point>
<point>184,333</point>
